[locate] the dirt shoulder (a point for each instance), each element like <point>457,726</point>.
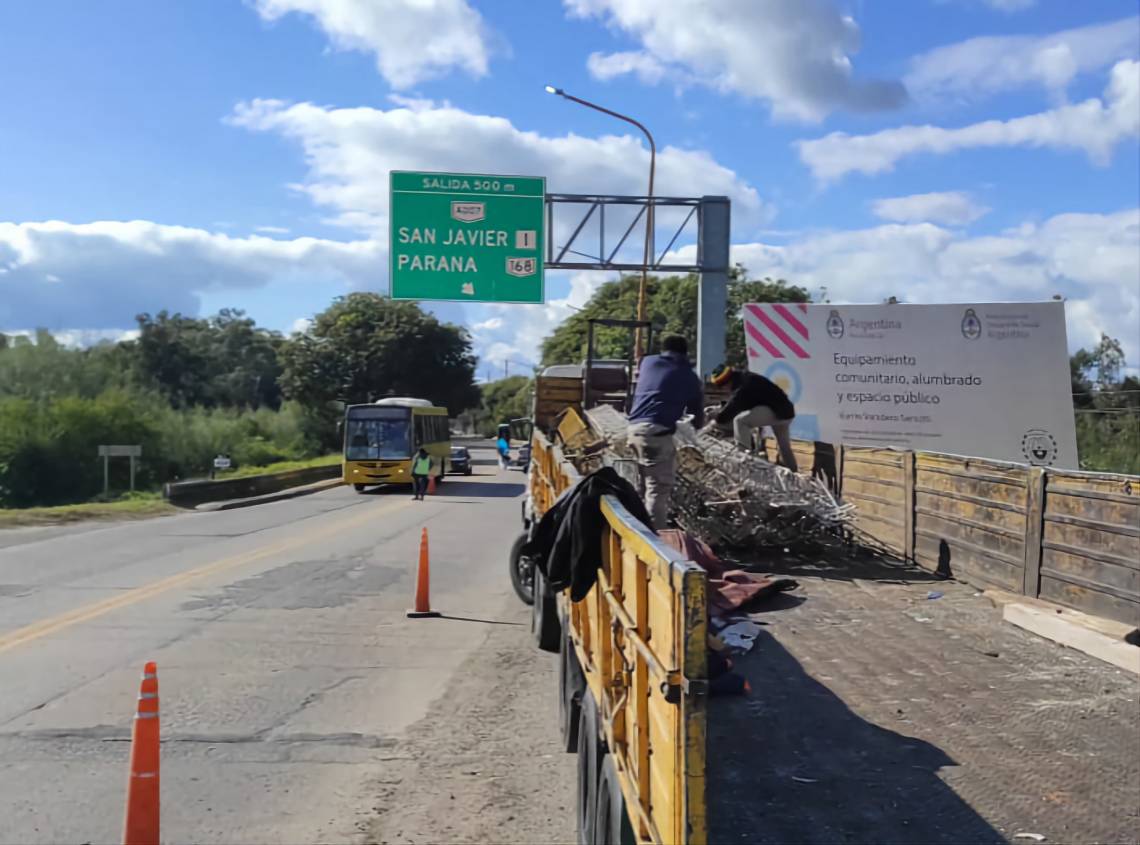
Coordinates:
<point>484,765</point>
<point>142,508</point>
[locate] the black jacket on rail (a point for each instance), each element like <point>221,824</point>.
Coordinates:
<point>567,544</point>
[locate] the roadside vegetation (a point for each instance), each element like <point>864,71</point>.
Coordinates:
<point>1107,406</point>
<point>187,389</point>
<point>129,506</point>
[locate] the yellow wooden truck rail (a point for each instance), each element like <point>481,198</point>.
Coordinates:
<point>640,639</point>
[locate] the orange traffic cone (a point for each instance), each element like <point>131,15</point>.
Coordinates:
<point>431,485</point>
<point>423,601</point>
<point>141,824</point>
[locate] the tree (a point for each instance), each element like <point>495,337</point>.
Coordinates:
<point>47,369</point>
<point>366,346</point>
<point>222,361</point>
<point>671,305</point>
<point>501,401</point>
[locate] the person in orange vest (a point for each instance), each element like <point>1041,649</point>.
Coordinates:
<point>421,469</point>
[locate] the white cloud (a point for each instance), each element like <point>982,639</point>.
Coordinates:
<point>487,325</point>
<point>992,64</point>
<point>520,329</point>
<point>954,208</point>
<point>413,40</point>
<point>606,66</point>
<point>1093,260</point>
<point>794,54</point>
<point>111,270</point>
<point>301,325</point>
<point>351,150</point>
<point>271,230</point>
<point>1095,126</point>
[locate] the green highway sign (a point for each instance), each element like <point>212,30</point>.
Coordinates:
<point>466,237</point>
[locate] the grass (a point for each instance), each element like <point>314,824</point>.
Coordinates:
<point>131,506</point>
<point>280,466</point>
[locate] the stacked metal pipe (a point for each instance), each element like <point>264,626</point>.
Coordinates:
<point>727,496</point>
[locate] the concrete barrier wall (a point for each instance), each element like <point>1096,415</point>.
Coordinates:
<point>191,493</point>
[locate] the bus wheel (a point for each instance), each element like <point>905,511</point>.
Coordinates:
<point>611,821</point>
<point>359,488</point>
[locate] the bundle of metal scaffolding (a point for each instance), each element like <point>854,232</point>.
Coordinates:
<point>727,496</point>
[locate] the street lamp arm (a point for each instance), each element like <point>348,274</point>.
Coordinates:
<point>610,112</point>
<point>649,216</point>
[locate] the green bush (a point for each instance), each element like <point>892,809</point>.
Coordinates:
<point>48,448</point>
<point>1109,441</point>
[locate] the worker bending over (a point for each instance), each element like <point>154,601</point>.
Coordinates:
<point>756,402</point>
<point>667,389</point>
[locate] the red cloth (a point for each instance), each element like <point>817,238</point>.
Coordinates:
<point>729,589</point>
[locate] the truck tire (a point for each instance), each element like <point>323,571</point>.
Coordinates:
<point>571,686</point>
<point>588,753</point>
<point>359,488</point>
<point>522,571</point>
<point>544,616</point>
<point>611,821</point>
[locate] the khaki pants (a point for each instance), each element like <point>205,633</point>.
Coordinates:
<point>656,467</point>
<point>758,417</point>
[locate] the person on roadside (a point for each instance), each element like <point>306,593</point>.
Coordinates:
<point>667,389</point>
<point>421,471</point>
<point>503,447</point>
<point>756,402</point>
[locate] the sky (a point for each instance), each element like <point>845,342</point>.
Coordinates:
<point>193,156</point>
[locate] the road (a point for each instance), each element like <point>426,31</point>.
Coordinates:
<point>299,704</point>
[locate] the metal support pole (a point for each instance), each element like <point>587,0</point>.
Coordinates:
<point>106,476</point>
<point>132,460</point>
<point>712,299</point>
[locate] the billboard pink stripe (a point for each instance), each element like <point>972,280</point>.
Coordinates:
<point>775,329</point>
<point>792,320</point>
<point>802,306</point>
<point>763,341</point>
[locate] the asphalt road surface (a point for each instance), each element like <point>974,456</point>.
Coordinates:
<point>294,691</point>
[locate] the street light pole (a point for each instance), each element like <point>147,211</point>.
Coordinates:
<point>641,290</point>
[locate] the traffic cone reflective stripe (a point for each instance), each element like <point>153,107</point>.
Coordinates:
<point>423,577</point>
<point>141,825</point>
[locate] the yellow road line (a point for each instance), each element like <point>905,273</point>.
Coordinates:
<point>146,591</point>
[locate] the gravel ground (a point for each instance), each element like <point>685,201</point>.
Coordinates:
<point>881,715</point>
<point>484,765</point>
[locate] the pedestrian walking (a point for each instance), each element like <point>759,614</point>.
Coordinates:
<point>667,389</point>
<point>503,446</point>
<point>756,402</point>
<point>421,470</point>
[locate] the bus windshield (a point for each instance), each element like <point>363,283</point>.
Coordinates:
<point>377,434</point>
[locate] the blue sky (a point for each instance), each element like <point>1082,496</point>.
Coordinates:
<point>193,156</point>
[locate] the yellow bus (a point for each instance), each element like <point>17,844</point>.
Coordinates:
<point>380,439</point>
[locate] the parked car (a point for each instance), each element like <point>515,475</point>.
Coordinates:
<point>523,459</point>
<point>460,460</point>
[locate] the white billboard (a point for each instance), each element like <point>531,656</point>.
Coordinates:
<point>985,379</point>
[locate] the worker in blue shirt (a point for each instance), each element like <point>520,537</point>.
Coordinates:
<point>667,389</point>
